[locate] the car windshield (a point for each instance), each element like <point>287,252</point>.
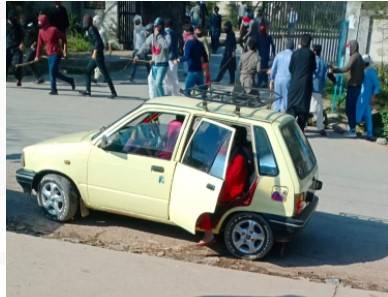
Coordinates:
<point>300,150</point>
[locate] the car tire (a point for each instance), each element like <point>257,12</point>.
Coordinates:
<point>58,197</point>
<point>248,236</point>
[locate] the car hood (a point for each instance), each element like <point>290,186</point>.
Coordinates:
<point>71,138</point>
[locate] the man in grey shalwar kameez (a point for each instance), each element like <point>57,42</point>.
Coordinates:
<point>249,66</point>
<point>280,77</point>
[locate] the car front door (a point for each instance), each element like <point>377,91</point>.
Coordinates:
<point>133,172</point>
<point>199,177</point>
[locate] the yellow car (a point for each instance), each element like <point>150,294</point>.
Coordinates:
<point>166,161</point>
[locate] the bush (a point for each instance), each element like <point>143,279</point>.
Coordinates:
<point>77,42</point>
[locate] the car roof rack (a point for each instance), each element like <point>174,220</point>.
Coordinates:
<point>258,98</point>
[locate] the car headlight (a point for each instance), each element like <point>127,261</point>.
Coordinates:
<point>22,160</point>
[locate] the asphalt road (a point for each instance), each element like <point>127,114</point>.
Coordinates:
<point>346,240</point>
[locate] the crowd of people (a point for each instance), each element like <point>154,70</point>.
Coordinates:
<point>297,75</point>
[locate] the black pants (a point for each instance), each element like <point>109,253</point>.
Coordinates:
<point>14,56</point>
<point>215,40</point>
<point>230,65</point>
<point>100,63</point>
<point>301,117</point>
<point>30,56</point>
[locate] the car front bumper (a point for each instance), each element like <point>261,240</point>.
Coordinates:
<point>284,228</point>
<point>25,179</point>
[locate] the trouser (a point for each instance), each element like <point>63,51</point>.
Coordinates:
<point>194,78</point>
<point>158,75</point>
<point>215,40</point>
<point>14,56</point>
<point>364,112</point>
<point>351,103</point>
<point>281,94</point>
<point>301,117</point>
<point>230,66</point>
<point>30,56</point>
<point>316,108</point>
<point>247,82</point>
<point>100,63</point>
<point>171,82</point>
<point>134,65</point>
<point>53,67</point>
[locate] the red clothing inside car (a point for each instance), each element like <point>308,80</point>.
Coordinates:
<point>49,36</point>
<point>234,185</point>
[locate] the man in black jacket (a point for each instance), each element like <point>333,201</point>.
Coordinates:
<point>59,17</point>
<point>97,58</point>
<point>302,66</point>
<point>15,45</point>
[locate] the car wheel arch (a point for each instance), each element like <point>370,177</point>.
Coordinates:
<point>84,211</point>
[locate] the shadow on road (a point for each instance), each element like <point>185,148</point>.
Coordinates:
<point>328,239</point>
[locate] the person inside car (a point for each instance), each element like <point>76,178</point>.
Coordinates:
<point>234,185</point>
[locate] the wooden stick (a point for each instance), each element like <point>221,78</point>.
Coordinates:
<point>29,63</point>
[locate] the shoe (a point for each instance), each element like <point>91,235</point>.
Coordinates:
<point>131,79</point>
<point>85,93</point>
<point>39,81</point>
<point>53,93</point>
<point>112,96</point>
<point>371,138</point>
<point>19,83</point>
<point>323,133</point>
<point>351,134</point>
<point>72,83</point>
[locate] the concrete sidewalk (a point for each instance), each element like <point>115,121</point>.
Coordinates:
<point>47,267</point>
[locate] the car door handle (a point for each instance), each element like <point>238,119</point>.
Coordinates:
<point>157,168</point>
<point>210,187</point>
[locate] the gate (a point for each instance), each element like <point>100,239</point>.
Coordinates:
<point>320,19</point>
<point>127,11</point>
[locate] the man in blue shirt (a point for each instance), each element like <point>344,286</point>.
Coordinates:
<point>370,87</point>
<point>195,55</point>
<point>280,77</point>
<point>319,81</point>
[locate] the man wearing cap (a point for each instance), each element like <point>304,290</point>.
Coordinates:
<point>319,81</point>
<point>369,89</point>
<point>97,58</point>
<point>356,68</point>
<point>280,77</point>
<point>159,49</point>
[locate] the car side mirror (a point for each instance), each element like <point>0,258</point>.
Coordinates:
<point>105,142</point>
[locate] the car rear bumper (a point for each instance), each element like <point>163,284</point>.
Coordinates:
<point>284,228</point>
<point>25,179</point>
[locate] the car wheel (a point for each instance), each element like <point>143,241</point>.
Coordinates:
<point>248,236</point>
<point>58,197</point>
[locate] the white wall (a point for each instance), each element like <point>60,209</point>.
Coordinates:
<point>379,41</point>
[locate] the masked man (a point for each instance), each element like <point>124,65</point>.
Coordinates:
<point>97,58</point>
<point>15,45</point>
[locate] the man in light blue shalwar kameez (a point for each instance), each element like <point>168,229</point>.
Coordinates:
<point>370,87</point>
<point>280,77</point>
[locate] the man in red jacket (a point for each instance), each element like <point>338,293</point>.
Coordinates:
<point>234,184</point>
<point>54,40</point>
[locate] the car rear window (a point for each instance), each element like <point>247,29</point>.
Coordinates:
<point>299,148</point>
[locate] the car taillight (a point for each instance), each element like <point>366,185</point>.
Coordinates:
<point>299,203</point>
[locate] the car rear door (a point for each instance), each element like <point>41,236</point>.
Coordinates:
<point>200,175</point>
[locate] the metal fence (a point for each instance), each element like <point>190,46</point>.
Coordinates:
<point>320,19</point>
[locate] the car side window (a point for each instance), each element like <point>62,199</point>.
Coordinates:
<point>152,134</point>
<point>208,149</point>
<point>264,154</point>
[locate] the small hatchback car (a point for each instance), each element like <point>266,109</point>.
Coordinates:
<point>166,161</point>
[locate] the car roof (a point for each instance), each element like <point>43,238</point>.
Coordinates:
<point>181,102</point>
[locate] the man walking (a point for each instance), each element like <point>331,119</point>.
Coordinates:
<point>319,81</point>
<point>228,61</point>
<point>171,82</point>
<point>370,88</point>
<point>302,66</point>
<point>59,17</point>
<point>195,55</point>
<point>249,66</point>
<point>215,28</point>
<point>356,68</point>
<point>97,58</point>
<point>14,45</point>
<point>265,46</point>
<point>56,46</point>
<point>159,49</point>
<point>280,77</point>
